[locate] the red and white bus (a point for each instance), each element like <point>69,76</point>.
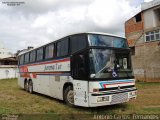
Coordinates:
<point>85,69</point>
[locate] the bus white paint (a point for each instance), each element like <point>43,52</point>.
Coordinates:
<point>86,69</point>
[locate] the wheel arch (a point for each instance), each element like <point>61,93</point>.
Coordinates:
<point>25,84</point>
<point>30,80</point>
<point>25,80</point>
<point>65,86</point>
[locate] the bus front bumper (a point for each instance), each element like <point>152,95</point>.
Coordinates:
<point>102,99</point>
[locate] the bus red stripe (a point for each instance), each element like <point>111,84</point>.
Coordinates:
<point>45,72</point>
<point>49,62</point>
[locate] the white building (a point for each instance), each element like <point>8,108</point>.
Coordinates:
<point>4,52</point>
<point>8,63</point>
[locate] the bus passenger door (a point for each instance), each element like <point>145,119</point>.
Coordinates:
<point>80,83</point>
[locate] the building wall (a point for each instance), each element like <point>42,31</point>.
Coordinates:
<point>134,30</point>
<point>148,5</point>
<point>152,18</point>
<point>8,72</point>
<point>149,22</point>
<point>152,61</point>
<point>146,60</point>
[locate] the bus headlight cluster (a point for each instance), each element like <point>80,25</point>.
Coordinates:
<point>133,93</point>
<point>102,99</point>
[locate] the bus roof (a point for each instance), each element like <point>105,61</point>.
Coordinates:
<point>98,33</point>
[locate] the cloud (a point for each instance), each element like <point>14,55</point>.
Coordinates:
<point>39,22</point>
<point>148,0</point>
<point>136,3</point>
<point>43,6</point>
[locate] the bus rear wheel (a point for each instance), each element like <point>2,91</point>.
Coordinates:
<point>69,96</point>
<point>26,85</point>
<point>30,86</point>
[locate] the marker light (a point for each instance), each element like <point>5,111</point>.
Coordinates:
<point>95,90</point>
<point>101,99</point>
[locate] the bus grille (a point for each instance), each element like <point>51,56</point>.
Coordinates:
<point>119,98</point>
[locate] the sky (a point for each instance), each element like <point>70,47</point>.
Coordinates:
<point>37,22</point>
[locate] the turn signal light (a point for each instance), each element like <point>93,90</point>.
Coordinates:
<point>95,90</point>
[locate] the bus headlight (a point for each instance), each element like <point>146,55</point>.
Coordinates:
<point>102,99</point>
<point>133,93</point>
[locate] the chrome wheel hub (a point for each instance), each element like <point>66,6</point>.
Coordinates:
<point>70,97</point>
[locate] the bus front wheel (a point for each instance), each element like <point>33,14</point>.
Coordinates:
<point>69,96</point>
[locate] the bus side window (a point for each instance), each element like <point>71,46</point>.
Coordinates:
<point>49,51</point>
<point>79,68</point>
<point>21,60</point>
<point>33,56</point>
<point>62,48</point>
<point>26,58</point>
<point>40,54</point>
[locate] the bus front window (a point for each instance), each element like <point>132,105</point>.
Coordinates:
<point>110,64</point>
<point>107,41</point>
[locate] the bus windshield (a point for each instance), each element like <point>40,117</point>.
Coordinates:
<point>110,63</point>
<point>107,41</point>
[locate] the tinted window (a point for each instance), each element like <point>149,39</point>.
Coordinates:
<point>62,48</point>
<point>79,66</point>
<point>107,41</point>
<point>49,51</point>
<point>26,58</point>
<point>40,54</point>
<point>21,59</point>
<point>78,42</point>
<point>33,56</point>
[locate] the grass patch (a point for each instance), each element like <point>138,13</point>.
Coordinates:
<point>14,100</point>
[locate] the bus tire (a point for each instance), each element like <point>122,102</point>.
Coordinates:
<point>30,86</point>
<point>69,96</point>
<point>26,85</point>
